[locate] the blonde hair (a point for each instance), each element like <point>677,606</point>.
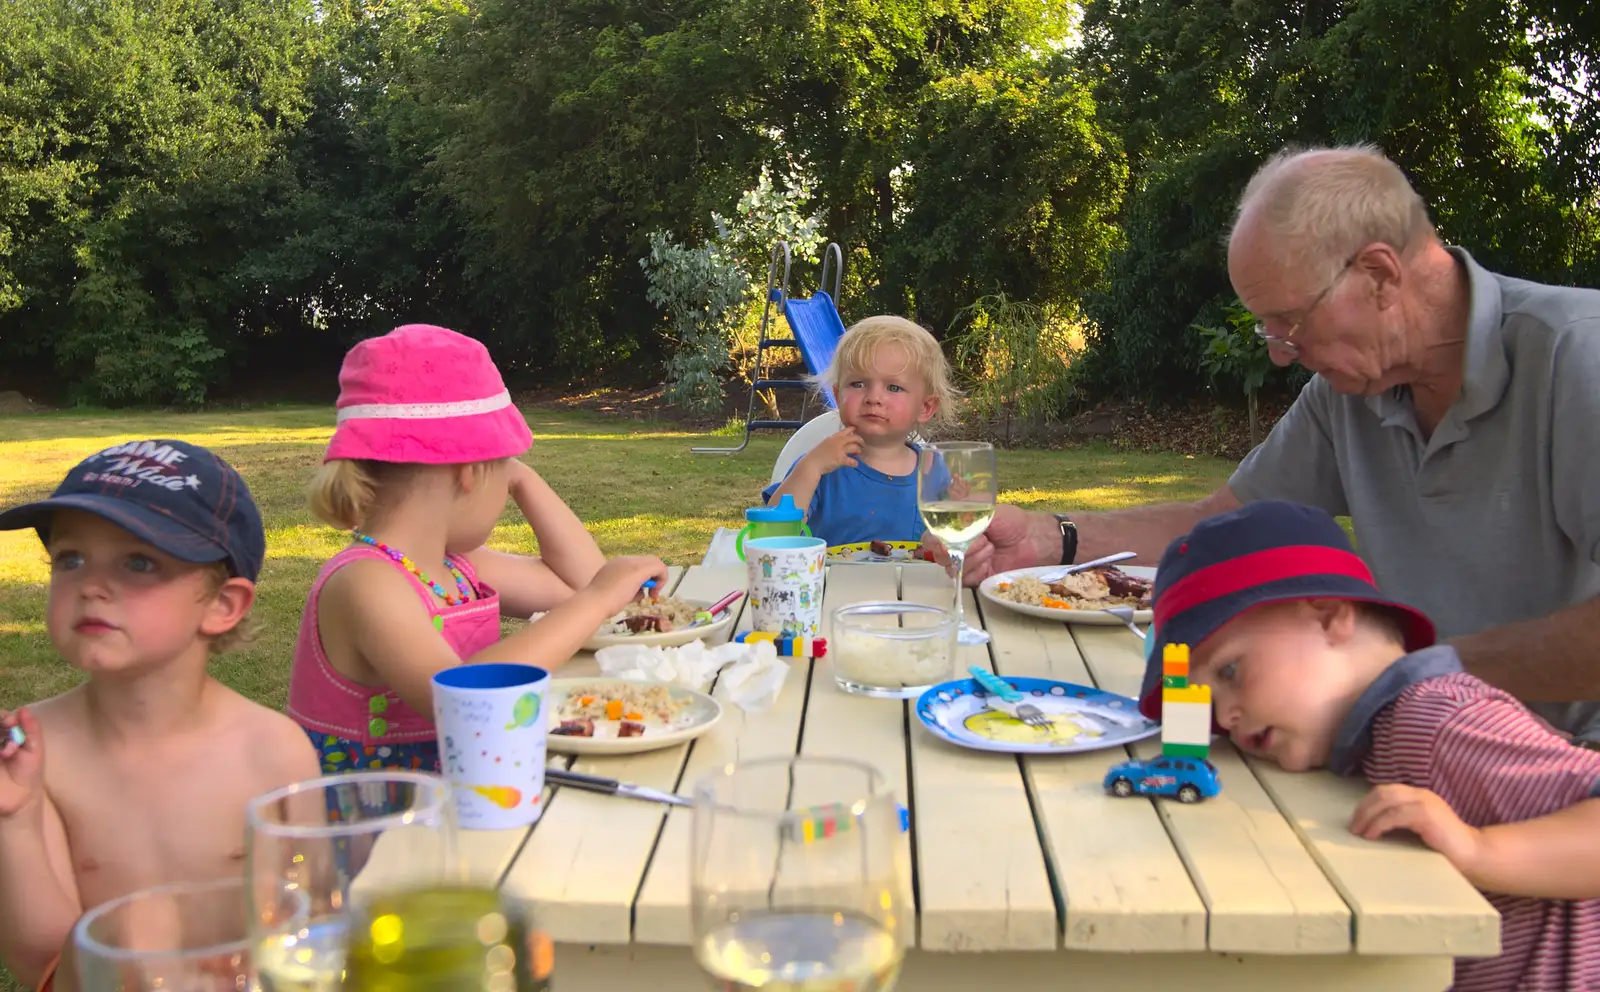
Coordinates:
<point>1326,204</point>
<point>345,491</point>
<point>349,492</point>
<point>858,350</point>
<point>243,633</point>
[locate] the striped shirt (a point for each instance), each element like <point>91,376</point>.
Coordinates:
<point>1487,757</point>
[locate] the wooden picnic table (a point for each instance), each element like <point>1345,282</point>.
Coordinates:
<point>1025,873</point>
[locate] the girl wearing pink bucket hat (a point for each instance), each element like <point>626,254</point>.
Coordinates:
<point>421,461</point>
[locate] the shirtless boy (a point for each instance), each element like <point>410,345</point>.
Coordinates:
<point>138,776</point>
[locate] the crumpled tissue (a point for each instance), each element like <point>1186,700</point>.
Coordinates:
<point>752,674</point>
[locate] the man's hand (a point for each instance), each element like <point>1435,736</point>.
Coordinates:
<point>1403,807</point>
<point>836,451</point>
<point>1012,541</point>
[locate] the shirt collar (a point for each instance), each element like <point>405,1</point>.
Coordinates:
<point>1354,740</point>
<point>1485,373</point>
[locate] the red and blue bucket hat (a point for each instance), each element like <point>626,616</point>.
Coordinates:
<point>1268,551</point>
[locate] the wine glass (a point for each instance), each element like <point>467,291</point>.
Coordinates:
<point>956,491</point>
<point>796,876</point>
<point>315,847</point>
<point>189,937</point>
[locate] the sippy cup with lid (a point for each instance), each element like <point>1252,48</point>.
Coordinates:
<point>783,520</point>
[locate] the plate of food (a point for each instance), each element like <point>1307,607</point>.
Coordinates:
<point>887,552</point>
<point>622,716</point>
<point>1081,597</point>
<point>664,622</point>
<point>1079,718</point>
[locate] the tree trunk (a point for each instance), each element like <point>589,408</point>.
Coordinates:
<point>1255,418</point>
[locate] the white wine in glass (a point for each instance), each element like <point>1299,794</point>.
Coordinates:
<point>796,877</point>
<point>956,491</point>
<point>355,884</point>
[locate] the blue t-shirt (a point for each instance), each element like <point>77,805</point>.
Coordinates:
<point>856,503</point>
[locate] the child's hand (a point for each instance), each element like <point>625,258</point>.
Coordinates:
<point>21,766</point>
<point>618,582</point>
<point>835,451</point>
<point>1403,807</point>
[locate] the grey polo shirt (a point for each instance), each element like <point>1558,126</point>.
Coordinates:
<point>1496,517</point>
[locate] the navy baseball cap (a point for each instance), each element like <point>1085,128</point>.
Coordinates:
<point>177,497</point>
<point>1269,551</point>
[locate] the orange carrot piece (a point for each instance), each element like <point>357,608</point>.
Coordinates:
<point>614,709</point>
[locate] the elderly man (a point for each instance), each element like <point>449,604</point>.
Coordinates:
<point>1454,416</point>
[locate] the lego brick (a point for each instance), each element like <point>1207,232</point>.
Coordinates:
<point>1175,654</point>
<point>1174,668</point>
<point>1190,694</point>
<point>1174,682</point>
<point>1186,750</point>
<point>1185,723</point>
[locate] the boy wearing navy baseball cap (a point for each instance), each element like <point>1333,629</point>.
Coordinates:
<point>154,548</point>
<point>1311,666</point>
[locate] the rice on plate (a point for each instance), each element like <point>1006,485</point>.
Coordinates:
<point>669,613</point>
<point>1094,589</point>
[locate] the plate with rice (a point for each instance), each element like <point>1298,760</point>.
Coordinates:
<point>664,622</point>
<point>1081,597</point>
<point>622,716</point>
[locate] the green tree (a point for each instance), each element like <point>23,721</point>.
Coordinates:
<point>1486,110</point>
<point>144,154</point>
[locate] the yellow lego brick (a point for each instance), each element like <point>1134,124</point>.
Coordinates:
<point>1193,694</point>
<point>1175,653</point>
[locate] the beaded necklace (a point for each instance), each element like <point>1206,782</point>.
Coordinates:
<point>450,598</point>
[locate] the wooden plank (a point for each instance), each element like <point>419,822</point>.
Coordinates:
<point>1123,885</point>
<point>1263,891</point>
<point>872,731</point>
<point>672,969</point>
<point>1406,898</point>
<point>582,866</point>
<point>982,882</point>
<point>662,911</point>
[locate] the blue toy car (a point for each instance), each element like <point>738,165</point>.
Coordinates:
<point>1188,779</point>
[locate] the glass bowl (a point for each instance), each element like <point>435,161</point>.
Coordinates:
<point>892,650</point>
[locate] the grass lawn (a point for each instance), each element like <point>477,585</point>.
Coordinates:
<point>635,483</point>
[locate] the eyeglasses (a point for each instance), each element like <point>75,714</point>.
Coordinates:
<point>1284,341</point>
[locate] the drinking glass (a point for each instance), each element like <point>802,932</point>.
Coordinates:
<point>189,937</point>
<point>796,876</point>
<point>956,492</point>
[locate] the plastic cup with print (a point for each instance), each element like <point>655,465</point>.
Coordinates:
<point>492,729</point>
<point>786,576</point>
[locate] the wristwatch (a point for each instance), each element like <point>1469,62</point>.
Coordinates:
<point>1069,538</point>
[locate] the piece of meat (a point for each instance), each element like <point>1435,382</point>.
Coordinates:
<point>575,728</point>
<point>629,728</point>
<point>882,548</point>
<point>1122,584</point>
<point>644,622</point>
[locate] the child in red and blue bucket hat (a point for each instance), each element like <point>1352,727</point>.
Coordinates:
<point>1311,666</point>
<point>154,546</point>
<point>421,462</point>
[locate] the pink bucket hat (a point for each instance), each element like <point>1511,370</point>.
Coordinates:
<point>425,395</point>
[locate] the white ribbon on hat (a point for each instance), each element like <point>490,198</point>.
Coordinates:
<point>424,411</point>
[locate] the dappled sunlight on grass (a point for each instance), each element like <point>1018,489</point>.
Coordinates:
<point>650,495</point>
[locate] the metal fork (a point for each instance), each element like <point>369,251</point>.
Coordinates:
<point>1050,577</point>
<point>1006,699</point>
<point>1125,614</point>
